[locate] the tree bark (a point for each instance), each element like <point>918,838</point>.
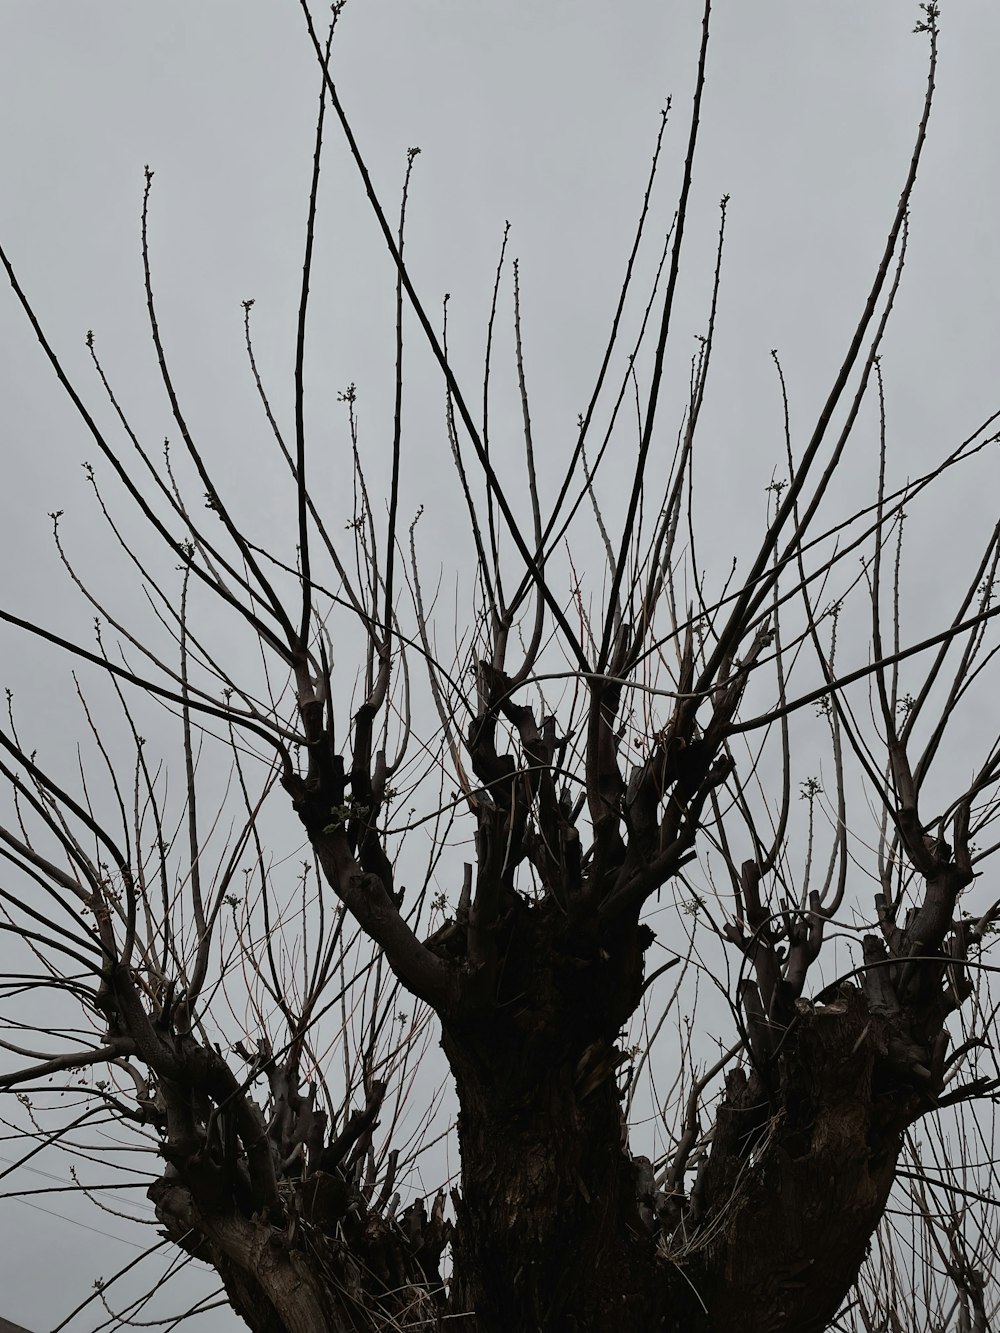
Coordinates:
<point>801,1165</point>
<point>549,1233</point>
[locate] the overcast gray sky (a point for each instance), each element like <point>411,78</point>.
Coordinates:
<point>542,112</point>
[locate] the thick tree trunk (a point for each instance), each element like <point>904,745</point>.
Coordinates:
<point>549,1232</point>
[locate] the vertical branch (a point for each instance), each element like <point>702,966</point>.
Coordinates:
<point>483,567</point>
<point>487,364</point>
<point>194,844</point>
<point>752,593</point>
<point>661,345</point>
<point>397,420</point>
<point>587,417</point>
<point>662,546</point>
<point>213,497</point>
<point>300,354</point>
<point>531,652</point>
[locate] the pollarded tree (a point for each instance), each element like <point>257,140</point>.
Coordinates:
<point>587,748</point>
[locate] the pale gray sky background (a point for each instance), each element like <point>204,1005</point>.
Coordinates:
<point>543,112</point>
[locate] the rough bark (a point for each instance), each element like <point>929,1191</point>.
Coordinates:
<point>329,1264</point>
<point>802,1161</point>
<point>549,1229</point>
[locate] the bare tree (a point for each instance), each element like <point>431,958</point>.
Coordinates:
<point>609,743</point>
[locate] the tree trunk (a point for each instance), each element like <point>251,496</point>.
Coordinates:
<point>549,1232</point>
